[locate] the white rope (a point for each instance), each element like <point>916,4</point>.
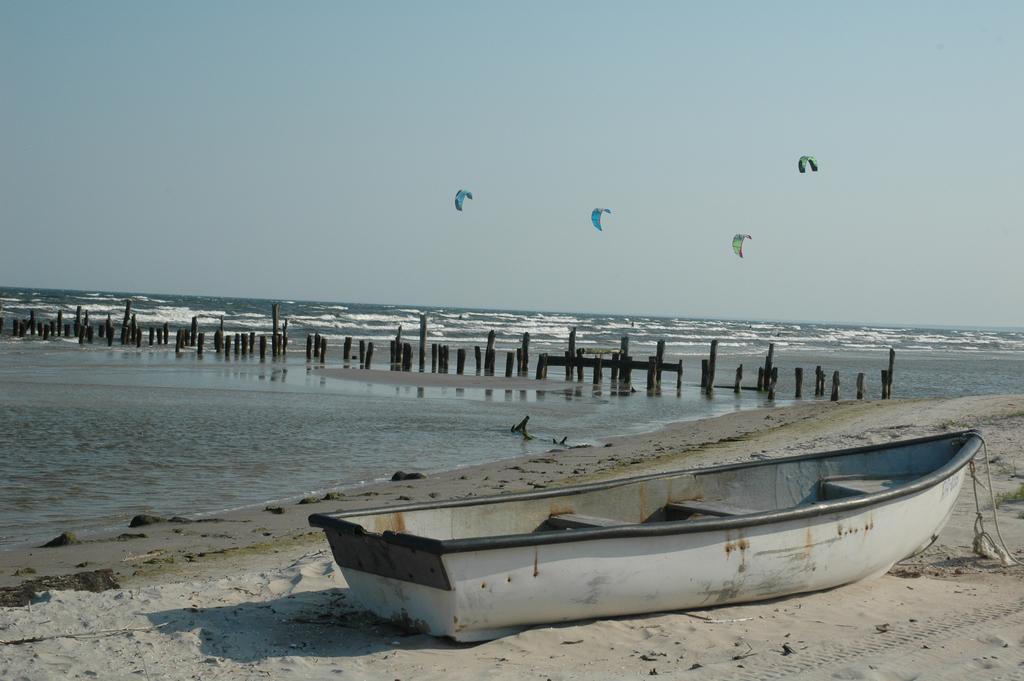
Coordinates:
<point>984,545</point>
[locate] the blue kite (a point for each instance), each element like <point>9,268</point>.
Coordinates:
<point>461,196</point>
<point>595,217</point>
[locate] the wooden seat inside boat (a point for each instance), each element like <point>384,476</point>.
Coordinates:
<point>573,521</point>
<point>681,510</point>
<point>842,487</point>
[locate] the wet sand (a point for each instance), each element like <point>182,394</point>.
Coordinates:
<point>255,594</point>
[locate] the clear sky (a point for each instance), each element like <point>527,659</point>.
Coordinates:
<point>312,150</point>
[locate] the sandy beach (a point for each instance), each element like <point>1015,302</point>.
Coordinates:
<point>256,594</point>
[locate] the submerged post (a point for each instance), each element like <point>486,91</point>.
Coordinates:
<point>739,379</point>
<point>860,386</point>
<point>798,378</point>
<point>712,361</point>
<point>835,386</point>
<point>769,363</point>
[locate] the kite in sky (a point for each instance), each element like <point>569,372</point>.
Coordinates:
<point>595,217</point>
<point>805,161</point>
<point>463,194</point>
<point>737,243</point>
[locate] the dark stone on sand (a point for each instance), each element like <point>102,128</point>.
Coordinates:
<point>333,496</point>
<point>65,539</point>
<point>127,536</point>
<point>21,595</point>
<point>399,475</point>
<point>308,500</point>
<point>144,519</point>
<point>21,572</point>
<point>276,510</point>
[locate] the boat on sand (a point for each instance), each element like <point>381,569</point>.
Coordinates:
<point>480,568</point>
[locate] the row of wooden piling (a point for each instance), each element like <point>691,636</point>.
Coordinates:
<point>619,362</point>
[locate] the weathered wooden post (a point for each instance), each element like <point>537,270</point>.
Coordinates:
<point>323,349</point>
<point>892,361</point>
<point>712,363</point>
<point>362,352</point>
<point>771,383</point>
<point>46,332</point>
<point>263,347</point>
<point>769,362</point>
<point>598,370</point>
<point>238,343</point>
<point>571,356</point>
<point>275,311</point>
<point>679,376</point>
<point>138,338</point>
<point>460,361</point>
<point>391,351</point>
<point>88,333</point>
<point>817,381</point>
<point>152,333</point>
<point>798,378</point>
<point>659,356</point>
<point>524,365</point>
<point>407,357</point>
<point>309,347</point>
<point>200,342</point>
<point>193,332</point>
<point>110,332</point>
<point>579,365</point>
<point>423,342</point>
<point>78,319</point>
<point>347,350</point>
<point>835,386</point>
<point>167,332</point>
<point>615,368</point>
<point>444,358</point>
<point>489,354</point>
<point>652,367</point>
<point>860,386</point>
<point>32,322</point>
<point>885,384</point>
<point>433,358</point>
<point>476,358</point>
<point>542,365</point>
<point>60,322</point>
<point>509,363</point>
<point>739,379</point>
<point>369,354</point>
<point>704,374</point>
<point>626,377</point>
<point>81,334</point>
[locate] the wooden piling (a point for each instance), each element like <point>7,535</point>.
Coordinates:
<point>423,342</point>
<point>659,356</point>
<point>771,383</point>
<point>598,373</point>
<point>652,366</point>
<point>571,355</point>
<point>739,379</point>
<point>309,347</point>
<point>88,333</point>
<point>835,386</point>
<point>476,358</point>
<point>167,332</point>
<point>892,361</point>
<point>579,365</point>
<point>860,386</point>
<point>193,332</point>
<point>200,343</point>
<point>798,379</point>
<point>433,358</point>
<point>252,342</point>
<point>769,361</point>
<point>542,365</point>
<point>369,354</point>
<point>323,349</point>
<point>263,347</point>
<point>818,382</point>
<point>460,362</point>
<point>81,335</point>
<point>347,351</point>
<point>238,344</point>
<point>704,374</point>
<point>509,363</point>
<point>78,319</point>
<point>275,311</point>
<point>885,384</point>
<point>524,366</point>
<point>615,368</point>
<point>32,322</point>
<point>712,365</point>
<point>46,332</point>
<point>60,322</point>
<point>489,355</point>
<point>679,376</point>
<point>406,356</point>
<point>362,352</point>
<point>152,333</point>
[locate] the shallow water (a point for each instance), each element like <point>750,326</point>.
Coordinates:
<point>90,436</point>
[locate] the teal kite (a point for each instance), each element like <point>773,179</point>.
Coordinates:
<point>737,243</point>
<point>595,217</point>
<point>461,196</point>
<point>807,161</point>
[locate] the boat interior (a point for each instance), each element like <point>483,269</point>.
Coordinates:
<point>733,490</point>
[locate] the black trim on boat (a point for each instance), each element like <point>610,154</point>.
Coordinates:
<point>969,441</point>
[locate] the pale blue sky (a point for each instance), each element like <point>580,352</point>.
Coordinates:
<point>312,150</point>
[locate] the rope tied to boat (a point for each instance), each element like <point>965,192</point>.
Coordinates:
<point>984,545</point>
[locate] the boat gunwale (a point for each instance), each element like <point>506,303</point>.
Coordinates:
<point>972,442</point>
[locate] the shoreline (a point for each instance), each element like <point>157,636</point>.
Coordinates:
<point>257,594</point>
<point>169,548</point>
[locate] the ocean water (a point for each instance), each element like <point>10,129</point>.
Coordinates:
<point>90,435</point>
